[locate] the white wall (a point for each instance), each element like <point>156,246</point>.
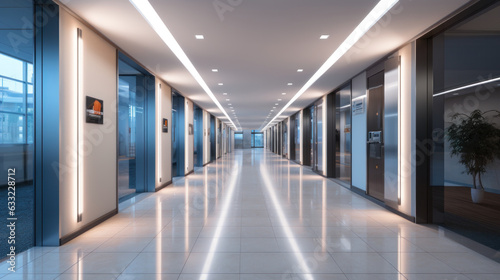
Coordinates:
<point>359,134</point>
<point>189,139</point>
<point>163,140</point>
<point>99,141</point>
<point>206,137</point>
<point>231,138</point>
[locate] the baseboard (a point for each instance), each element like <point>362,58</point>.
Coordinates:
<point>381,203</point>
<point>163,185</point>
<point>192,171</point>
<point>65,239</point>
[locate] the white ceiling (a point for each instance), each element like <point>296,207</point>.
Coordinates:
<point>258,45</point>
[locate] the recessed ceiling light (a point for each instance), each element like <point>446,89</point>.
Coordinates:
<point>220,84</point>
<point>276,104</point>
<point>215,70</point>
<point>272,110</point>
<point>199,37</point>
<point>283,93</point>
<point>225,93</point>
<point>229,104</point>
<point>300,70</point>
<point>279,99</point>
<point>233,111</point>
<point>274,107</point>
<point>324,37</point>
<point>290,84</point>
<point>228,99</point>
<point>231,108</point>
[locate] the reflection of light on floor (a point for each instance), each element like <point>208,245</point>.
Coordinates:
<point>186,215</point>
<point>300,194</point>
<point>159,239</point>
<point>206,193</point>
<point>284,222</point>
<point>220,224</point>
<point>324,222</point>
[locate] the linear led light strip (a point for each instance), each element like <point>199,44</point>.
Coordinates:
<point>159,134</point>
<point>375,14</point>
<point>79,127</point>
<point>151,16</point>
<point>468,86</point>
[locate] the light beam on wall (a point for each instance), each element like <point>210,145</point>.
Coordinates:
<point>375,14</point>
<point>79,130</point>
<point>151,16</point>
<point>159,135</point>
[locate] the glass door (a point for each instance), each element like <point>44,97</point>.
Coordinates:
<point>343,134</point>
<point>317,144</point>
<point>131,130</point>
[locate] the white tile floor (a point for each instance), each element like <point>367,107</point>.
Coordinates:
<point>253,215</point>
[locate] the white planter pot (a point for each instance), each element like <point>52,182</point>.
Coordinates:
<point>477,195</point>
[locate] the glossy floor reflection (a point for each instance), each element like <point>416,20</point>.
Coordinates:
<point>254,215</point>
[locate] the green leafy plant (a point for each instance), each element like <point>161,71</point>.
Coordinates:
<point>476,141</point>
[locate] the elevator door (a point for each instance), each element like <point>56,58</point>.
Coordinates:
<point>375,126</point>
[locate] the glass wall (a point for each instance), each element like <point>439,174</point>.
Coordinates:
<point>198,136</point>
<point>257,139</point>
<point>343,134</point>
<point>297,137</point>
<point>284,138</point>
<point>16,121</point>
<point>178,130</point>
<point>317,136</point>
<point>465,162</point>
<point>238,140</point>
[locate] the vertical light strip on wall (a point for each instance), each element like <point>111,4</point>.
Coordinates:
<point>399,132</point>
<point>159,134</point>
<point>79,127</point>
<point>373,17</point>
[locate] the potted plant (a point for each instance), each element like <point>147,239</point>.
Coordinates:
<point>477,142</point>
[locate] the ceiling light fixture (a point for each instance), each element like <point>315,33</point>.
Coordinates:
<point>283,93</point>
<point>373,16</point>
<point>228,99</point>
<point>279,99</point>
<point>324,37</point>
<point>220,84</point>
<point>215,70</point>
<point>225,93</point>
<point>300,70</point>
<point>276,104</point>
<point>151,16</point>
<point>290,84</point>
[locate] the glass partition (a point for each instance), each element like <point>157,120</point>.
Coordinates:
<point>465,161</point>
<point>343,134</point>
<point>16,122</point>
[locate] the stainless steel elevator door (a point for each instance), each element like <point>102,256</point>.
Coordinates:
<point>375,125</point>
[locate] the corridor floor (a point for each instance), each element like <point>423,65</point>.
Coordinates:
<point>254,215</point>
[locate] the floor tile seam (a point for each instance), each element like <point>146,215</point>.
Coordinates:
<point>75,264</point>
<point>399,253</point>
<point>456,273</point>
